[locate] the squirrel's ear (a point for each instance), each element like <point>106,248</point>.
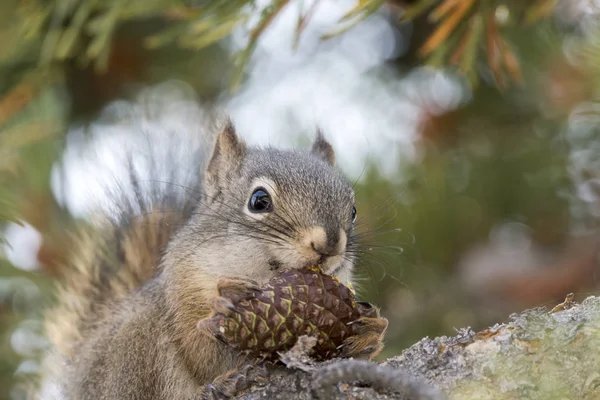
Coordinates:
<point>322,149</point>
<point>227,155</point>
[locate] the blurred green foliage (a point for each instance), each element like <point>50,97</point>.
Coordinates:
<point>504,156</point>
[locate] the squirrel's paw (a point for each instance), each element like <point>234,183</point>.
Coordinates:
<point>369,330</point>
<point>234,381</point>
<point>236,288</point>
<point>229,290</point>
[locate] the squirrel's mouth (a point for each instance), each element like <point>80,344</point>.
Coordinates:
<point>328,264</point>
<point>337,270</point>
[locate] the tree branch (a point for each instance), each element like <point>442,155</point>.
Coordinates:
<point>538,354</point>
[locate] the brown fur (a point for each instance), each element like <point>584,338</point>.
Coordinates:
<point>126,326</point>
<point>136,251</point>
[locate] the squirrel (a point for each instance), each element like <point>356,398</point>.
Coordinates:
<point>126,323</point>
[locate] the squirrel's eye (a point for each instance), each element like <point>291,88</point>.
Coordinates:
<point>260,201</point>
<point>353,214</point>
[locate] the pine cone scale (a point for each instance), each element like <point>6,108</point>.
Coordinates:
<point>295,303</point>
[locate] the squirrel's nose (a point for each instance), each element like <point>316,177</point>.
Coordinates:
<point>325,251</point>
<point>330,245</point>
<point>318,245</point>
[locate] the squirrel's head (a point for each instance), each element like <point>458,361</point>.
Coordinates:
<point>267,209</point>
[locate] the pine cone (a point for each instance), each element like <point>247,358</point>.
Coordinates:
<point>294,303</point>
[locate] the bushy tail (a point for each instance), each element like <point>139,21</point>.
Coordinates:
<point>108,263</point>
<point>153,195</point>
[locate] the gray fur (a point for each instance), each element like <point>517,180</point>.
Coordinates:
<point>310,193</point>
<point>139,339</point>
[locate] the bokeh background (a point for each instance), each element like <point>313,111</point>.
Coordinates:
<point>471,129</point>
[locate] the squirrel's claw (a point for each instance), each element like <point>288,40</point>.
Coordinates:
<point>368,332</point>
<point>229,384</point>
<point>222,305</point>
<point>237,288</point>
<point>367,309</point>
<point>230,290</point>
<point>211,392</point>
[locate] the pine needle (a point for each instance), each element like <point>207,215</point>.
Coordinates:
<point>303,20</point>
<point>541,9</point>
<point>415,10</point>
<point>447,27</point>
<point>443,9</point>
<point>511,62</point>
<point>242,59</point>
<point>17,99</point>
<point>494,58</point>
